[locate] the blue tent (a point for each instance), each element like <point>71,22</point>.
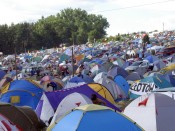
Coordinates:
<point>87,78</point>
<point>26,86</point>
<point>171,79</point>
<point>152,58</point>
<point>158,80</point>
<point>21,98</point>
<point>122,83</point>
<point>2,74</point>
<point>76,79</point>
<point>92,118</point>
<point>63,57</point>
<point>22,93</point>
<point>97,61</point>
<point>117,71</point>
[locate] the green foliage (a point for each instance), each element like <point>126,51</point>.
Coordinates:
<point>68,26</point>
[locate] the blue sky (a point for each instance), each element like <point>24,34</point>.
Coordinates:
<point>143,18</point>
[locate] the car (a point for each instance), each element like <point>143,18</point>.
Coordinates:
<point>135,65</point>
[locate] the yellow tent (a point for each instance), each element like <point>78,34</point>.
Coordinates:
<point>100,89</point>
<point>167,68</point>
<point>6,87</point>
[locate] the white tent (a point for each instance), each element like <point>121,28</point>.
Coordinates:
<point>111,86</point>
<point>45,57</point>
<point>167,91</point>
<point>21,76</point>
<point>100,75</point>
<point>46,111</point>
<point>153,112</point>
<point>71,84</point>
<point>70,102</point>
<point>6,124</point>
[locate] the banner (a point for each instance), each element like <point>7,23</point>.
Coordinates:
<point>142,88</point>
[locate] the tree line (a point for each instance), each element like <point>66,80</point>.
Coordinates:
<point>68,26</point>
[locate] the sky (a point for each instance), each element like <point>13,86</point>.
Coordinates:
<point>124,16</point>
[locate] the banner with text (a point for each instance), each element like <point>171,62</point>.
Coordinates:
<point>141,88</point>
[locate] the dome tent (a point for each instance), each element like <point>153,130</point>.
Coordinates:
<point>94,118</point>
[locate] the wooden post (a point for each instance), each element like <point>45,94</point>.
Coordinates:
<point>72,61</point>
<point>16,65</point>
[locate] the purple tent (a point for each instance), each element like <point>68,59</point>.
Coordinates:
<point>56,97</point>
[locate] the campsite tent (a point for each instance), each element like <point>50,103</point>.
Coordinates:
<point>21,93</point>
<point>103,91</point>
<point>24,117</point>
<point>117,71</point>
<point>152,58</point>
<point>171,79</point>
<point>134,76</point>
<point>4,81</point>
<point>75,81</point>
<point>49,101</point>
<point>168,68</point>
<point>167,91</point>
<point>2,74</point>
<point>123,85</point>
<point>94,118</point>
<point>111,86</point>
<point>153,112</point>
<point>7,125</point>
<point>100,75</point>
<point>70,102</point>
<point>158,65</point>
<point>158,80</point>
<point>141,71</point>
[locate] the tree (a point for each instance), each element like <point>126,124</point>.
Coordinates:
<point>146,39</point>
<point>65,27</point>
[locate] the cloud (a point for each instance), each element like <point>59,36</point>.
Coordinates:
<point>121,20</point>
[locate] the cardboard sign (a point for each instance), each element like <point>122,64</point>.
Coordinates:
<point>142,88</point>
